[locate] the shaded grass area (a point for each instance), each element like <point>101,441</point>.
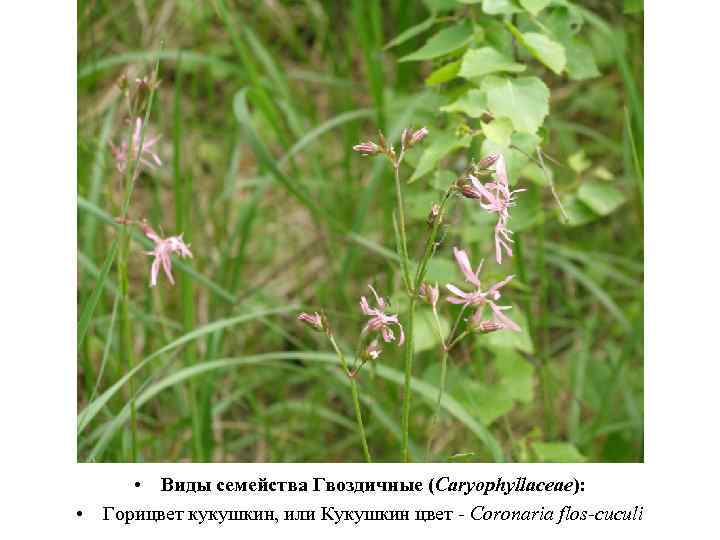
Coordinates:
<point>258,109</point>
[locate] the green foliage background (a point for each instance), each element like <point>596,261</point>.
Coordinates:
<point>259,106</point>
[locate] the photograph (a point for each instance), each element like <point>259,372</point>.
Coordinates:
<point>360,231</point>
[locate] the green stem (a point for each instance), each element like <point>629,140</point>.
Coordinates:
<point>419,276</point>
<point>356,399</point>
<point>408,376</point>
<point>405,260</point>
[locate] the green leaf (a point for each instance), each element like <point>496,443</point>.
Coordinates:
<point>516,375</point>
<point>548,51</point>
<point>578,212</point>
<point>441,146</point>
<point>443,74</point>
<point>523,100</point>
<point>473,104</point>
<point>496,7</point>
<point>580,61</point>
<point>557,452</point>
<point>411,32</point>
<point>535,174</point>
<point>535,6</point>
<point>485,402</point>
<point>444,42</point>
<point>601,197</point>
<point>425,336</point>
<point>498,131</point>
<point>479,62</point>
<point>514,159</point>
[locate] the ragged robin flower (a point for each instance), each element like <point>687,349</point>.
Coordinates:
<point>164,248</point>
<point>479,298</point>
<point>147,156</point>
<point>379,320</point>
<point>494,197</point>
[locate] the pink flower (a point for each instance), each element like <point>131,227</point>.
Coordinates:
<point>495,197</point>
<point>314,320</point>
<point>479,298</point>
<point>164,247</point>
<point>379,320</point>
<point>146,153</point>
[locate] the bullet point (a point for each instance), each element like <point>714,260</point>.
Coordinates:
<point>137,484</point>
<point>79,513</point>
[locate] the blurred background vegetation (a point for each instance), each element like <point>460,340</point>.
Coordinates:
<point>258,108</point>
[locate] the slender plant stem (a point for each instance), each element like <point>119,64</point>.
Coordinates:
<point>405,261</point>
<point>409,345</point>
<point>132,171</point>
<point>356,399</point>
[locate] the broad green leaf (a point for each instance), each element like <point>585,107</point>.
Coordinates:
<point>485,402</point>
<point>601,197</point>
<point>498,131</point>
<point>580,61</point>
<point>443,74</point>
<point>411,32</point>
<point>479,62</point>
<point>507,339</point>
<point>535,6</point>
<point>516,374</point>
<point>523,100</point>
<point>496,7</point>
<point>548,51</point>
<point>444,42</point>
<point>473,104</point>
<point>425,335</point>
<point>578,212</point>
<point>441,146</point>
<point>557,452</point>
<point>514,159</point>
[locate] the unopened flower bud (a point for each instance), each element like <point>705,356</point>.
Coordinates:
<point>382,141</point>
<point>429,294</point>
<point>487,161</point>
<point>466,188</point>
<point>368,148</point>
<point>315,321</point>
<point>486,326</point>
<point>406,138</point>
<point>434,214</point>
<point>418,136</point>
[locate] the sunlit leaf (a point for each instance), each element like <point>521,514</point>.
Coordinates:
<point>601,197</point>
<point>441,146</point>
<point>523,100</point>
<point>443,74</point>
<point>473,104</point>
<point>479,62</point>
<point>498,131</point>
<point>444,42</point>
